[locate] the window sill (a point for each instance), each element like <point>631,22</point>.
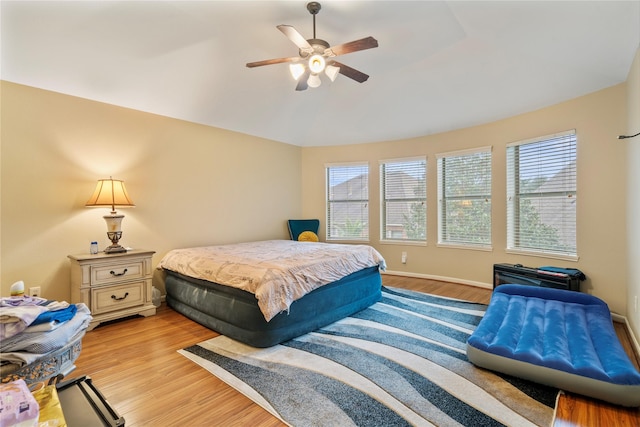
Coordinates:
<point>402,242</point>
<point>347,241</point>
<point>468,247</point>
<point>574,258</point>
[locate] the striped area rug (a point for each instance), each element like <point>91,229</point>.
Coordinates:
<point>400,362</point>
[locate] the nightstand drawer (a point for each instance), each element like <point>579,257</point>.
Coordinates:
<point>117,297</point>
<point>117,272</point>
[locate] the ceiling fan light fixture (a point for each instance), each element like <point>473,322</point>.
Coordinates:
<point>314,81</point>
<point>317,64</point>
<point>314,53</point>
<point>332,72</point>
<point>296,70</point>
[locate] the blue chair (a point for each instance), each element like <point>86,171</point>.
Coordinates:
<point>298,226</point>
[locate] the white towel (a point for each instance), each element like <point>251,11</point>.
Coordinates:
<point>14,320</point>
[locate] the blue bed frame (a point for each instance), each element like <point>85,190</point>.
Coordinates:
<point>235,313</point>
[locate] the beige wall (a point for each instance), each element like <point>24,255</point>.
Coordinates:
<point>598,118</point>
<point>197,185</point>
<point>192,184</point>
<point>633,193</point>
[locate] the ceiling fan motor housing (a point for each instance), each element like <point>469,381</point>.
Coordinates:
<point>318,47</point>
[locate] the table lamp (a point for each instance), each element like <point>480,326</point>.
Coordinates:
<point>111,192</point>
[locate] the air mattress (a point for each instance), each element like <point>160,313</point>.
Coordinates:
<point>560,338</point>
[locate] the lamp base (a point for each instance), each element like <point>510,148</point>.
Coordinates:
<point>114,249</point>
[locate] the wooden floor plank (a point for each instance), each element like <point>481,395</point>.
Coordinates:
<point>135,364</point>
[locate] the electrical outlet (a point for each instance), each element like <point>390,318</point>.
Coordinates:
<point>404,257</point>
<point>35,291</point>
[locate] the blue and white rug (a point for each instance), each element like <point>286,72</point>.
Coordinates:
<point>400,362</point>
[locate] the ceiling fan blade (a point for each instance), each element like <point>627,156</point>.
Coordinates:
<point>352,73</point>
<point>303,81</point>
<point>354,46</point>
<point>294,36</point>
<point>271,61</point>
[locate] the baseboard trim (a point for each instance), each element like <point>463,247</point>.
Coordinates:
<point>634,341</point>
<point>440,278</point>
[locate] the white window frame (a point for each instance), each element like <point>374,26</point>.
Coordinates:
<point>467,201</point>
<point>562,219</point>
<point>411,166</point>
<point>358,230</point>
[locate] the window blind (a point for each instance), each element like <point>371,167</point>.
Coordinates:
<point>541,195</point>
<point>464,198</point>
<point>403,208</point>
<point>348,202</point>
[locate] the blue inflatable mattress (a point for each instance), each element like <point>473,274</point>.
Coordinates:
<point>560,338</point>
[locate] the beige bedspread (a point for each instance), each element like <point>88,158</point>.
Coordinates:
<point>278,272</point>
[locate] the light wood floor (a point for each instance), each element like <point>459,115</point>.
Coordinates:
<point>135,364</point>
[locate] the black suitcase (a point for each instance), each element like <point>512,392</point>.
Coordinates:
<point>520,275</point>
<point>84,406</point>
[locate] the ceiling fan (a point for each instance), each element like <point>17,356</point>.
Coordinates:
<point>316,56</point>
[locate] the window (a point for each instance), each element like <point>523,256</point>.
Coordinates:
<point>464,198</point>
<point>348,202</point>
<point>404,200</point>
<point>541,195</point>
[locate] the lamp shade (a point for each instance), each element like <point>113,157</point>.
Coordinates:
<point>314,80</point>
<point>296,70</point>
<point>110,192</point>
<point>332,72</point>
<point>316,64</point>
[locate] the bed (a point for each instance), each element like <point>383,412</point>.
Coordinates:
<point>264,293</point>
<point>560,338</point>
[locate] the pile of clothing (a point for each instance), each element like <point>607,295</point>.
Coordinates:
<point>32,327</point>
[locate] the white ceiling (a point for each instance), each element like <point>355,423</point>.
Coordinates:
<point>440,65</point>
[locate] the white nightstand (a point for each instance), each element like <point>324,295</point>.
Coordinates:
<point>113,286</point>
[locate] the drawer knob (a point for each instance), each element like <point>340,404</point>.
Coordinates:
<point>114,274</point>
<point>113,297</point>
